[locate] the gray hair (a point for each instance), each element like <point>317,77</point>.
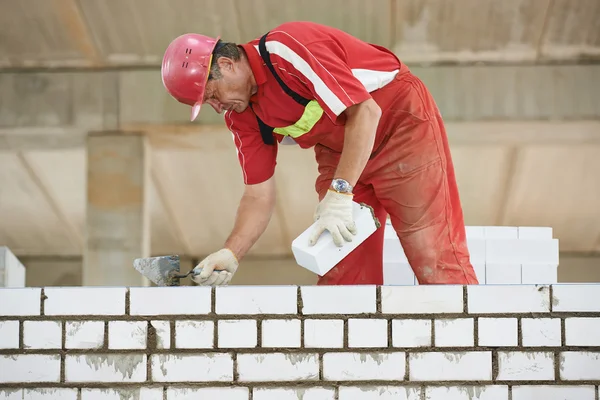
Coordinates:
<point>222,49</point>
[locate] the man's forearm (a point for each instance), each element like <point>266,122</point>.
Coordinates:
<point>359,137</point>
<point>252,218</point>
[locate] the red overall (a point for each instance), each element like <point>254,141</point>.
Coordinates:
<point>411,178</point>
<point>410,174</point>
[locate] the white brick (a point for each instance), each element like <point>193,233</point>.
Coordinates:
<point>29,368</point>
<point>11,394</point>
<point>553,392</point>
<point>475,232</point>
<point>208,367</point>
<point>20,301</point>
<point>12,271</point>
<point>324,333</point>
<point>364,366</point>
<point>451,366</point>
<point>576,297</point>
<point>454,332</point>
<point>535,232</point>
<point>84,334</point>
<point>237,333</point>
<point>379,393</point>
<point>501,232</point>
<point>411,332</point>
<point>508,298</point>
<point>9,334</point>
<point>195,334</point>
<point>393,251</point>
<point>162,329</point>
<point>84,301</point>
<point>367,332</point>
<point>309,393</point>
<point>519,366</point>
<point>278,367</point>
<point>170,300</point>
<point>220,393</point>
<point>583,331</point>
<point>423,299</point>
<point>105,368</point>
<point>42,334</point>
<point>498,332</point>
<point>522,251</point>
<point>579,365</point>
<point>324,255</point>
<point>492,392</point>
<point>280,333</point>
<point>539,273</point>
<point>476,248</point>
<point>398,273</point>
<point>502,274</point>
<point>541,332</point>
<point>127,334</point>
<point>122,394</point>
<point>479,269</point>
<point>51,394</point>
<point>392,248</point>
<point>338,299</point>
<point>257,300</point>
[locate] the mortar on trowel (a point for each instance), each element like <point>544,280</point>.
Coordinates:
<point>162,270</point>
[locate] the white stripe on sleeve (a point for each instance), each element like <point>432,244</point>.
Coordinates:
<point>330,98</point>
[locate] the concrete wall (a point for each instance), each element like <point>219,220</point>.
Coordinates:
<point>285,342</point>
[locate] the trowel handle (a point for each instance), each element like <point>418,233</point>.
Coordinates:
<point>191,272</point>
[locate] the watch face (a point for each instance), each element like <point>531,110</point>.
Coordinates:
<point>340,185</point>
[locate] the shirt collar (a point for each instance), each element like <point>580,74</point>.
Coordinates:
<point>257,65</point>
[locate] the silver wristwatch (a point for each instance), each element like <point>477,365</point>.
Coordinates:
<point>341,186</point>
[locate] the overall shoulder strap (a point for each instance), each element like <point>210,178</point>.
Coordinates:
<point>262,47</point>
<point>266,132</point>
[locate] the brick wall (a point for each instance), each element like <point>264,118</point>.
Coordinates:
<point>504,342</point>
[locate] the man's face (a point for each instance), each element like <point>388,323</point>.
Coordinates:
<point>231,91</point>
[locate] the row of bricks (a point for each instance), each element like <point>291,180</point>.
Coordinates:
<point>401,273</point>
<point>370,392</point>
<point>321,333</point>
<point>495,232</point>
<point>275,367</point>
<point>190,300</point>
<point>494,251</point>
<point>509,232</point>
<point>497,245</point>
<point>364,392</point>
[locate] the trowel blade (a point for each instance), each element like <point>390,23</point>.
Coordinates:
<point>159,270</point>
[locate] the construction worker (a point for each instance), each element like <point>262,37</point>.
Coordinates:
<point>376,131</point>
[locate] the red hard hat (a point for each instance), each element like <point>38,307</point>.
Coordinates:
<point>185,68</point>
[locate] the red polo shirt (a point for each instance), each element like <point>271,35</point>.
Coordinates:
<point>317,62</point>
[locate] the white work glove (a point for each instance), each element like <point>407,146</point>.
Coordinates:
<point>216,269</point>
<point>334,214</point>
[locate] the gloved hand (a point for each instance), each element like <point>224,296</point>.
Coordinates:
<point>334,214</point>
<point>216,269</point>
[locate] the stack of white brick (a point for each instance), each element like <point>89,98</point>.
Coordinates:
<point>12,272</point>
<point>499,254</point>
<point>448,342</point>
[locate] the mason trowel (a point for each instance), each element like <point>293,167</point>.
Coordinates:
<point>161,270</point>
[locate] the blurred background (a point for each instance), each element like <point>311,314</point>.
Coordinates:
<point>98,165</point>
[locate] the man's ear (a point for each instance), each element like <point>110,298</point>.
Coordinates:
<point>225,64</point>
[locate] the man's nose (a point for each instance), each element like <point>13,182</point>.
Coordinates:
<point>216,105</point>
